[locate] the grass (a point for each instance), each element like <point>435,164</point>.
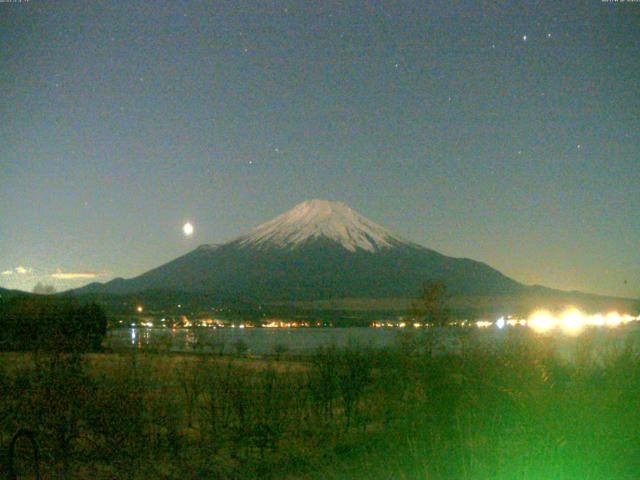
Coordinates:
<point>517,412</point>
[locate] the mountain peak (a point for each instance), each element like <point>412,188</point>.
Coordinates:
<point>315,219</point>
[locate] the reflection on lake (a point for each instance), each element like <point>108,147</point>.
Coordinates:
<point>261,341</point>
<point>258,341</point>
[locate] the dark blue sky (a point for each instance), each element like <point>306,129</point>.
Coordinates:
<point>505,133</point>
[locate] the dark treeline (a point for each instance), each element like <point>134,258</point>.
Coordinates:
<point>51,323</point>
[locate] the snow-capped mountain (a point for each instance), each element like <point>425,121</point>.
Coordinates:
<point>315,219</point>
<point>317,250</point>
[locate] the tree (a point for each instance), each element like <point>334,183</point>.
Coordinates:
<point>93,321</point>
<point>432,306</point>
<point>42,289</point>
<point>51,323</point>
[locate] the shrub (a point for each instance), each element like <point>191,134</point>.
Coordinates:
<point>48,323</point>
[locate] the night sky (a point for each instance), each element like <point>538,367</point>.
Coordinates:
<point>504,132</point>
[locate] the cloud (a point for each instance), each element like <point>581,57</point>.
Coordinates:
<point>59,275</point>
<point>22,270</point>
<point>6,273</point>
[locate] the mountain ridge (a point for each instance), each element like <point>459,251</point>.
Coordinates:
<point>318,252</point>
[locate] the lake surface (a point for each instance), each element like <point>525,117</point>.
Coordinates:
<point>261,341</point>
<point>258,341</point>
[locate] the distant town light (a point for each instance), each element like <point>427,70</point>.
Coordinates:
<point>542,321</point>
<point>139,309</point>
<point>572,320</point>
<point>613,319</point>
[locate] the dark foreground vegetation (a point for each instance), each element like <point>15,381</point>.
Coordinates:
<point>47,323</point>
<point>515,413</point>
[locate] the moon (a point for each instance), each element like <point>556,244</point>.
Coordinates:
<point>187,229</point>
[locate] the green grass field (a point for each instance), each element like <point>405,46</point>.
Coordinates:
<point>514,413</point>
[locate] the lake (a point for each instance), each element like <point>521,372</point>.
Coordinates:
<point>261,341</point>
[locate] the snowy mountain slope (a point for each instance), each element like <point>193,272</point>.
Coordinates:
<point>314,219</point>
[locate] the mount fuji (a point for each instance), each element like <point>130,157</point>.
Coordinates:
<point>319,250</point>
